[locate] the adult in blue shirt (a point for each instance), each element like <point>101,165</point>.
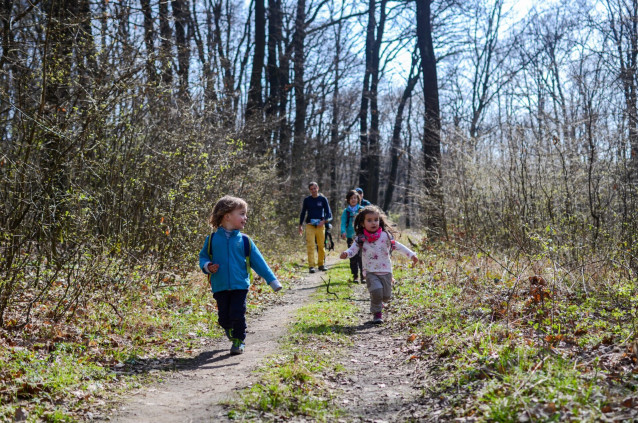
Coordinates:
<point>315,212</point>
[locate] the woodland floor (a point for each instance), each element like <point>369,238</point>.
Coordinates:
<point>374,387</point>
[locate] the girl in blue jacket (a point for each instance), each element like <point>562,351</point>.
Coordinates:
<point>347,231</point>
<point>227,257</point>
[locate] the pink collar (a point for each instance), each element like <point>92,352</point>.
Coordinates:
<point>372,237</point>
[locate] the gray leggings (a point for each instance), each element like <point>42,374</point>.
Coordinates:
<point>380,288</point>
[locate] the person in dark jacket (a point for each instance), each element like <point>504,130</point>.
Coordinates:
<point>315,212</point>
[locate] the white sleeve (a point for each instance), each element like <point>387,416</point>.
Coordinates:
<point>403,249</point>
<point>353,250</point>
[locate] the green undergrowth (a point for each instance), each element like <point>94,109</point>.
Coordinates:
<point>65,371</point>
<point>292,382</point>
<point>536,346</point>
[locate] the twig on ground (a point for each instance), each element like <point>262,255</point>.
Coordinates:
<point>328,287</point>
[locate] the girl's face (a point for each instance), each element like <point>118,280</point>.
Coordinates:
<point>353,201</point>
<point>371,222</point>
<point>235,219</point>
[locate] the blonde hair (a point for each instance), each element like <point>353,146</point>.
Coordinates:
<point>223,206</point>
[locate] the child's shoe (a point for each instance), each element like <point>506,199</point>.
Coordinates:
<point>238,347</point>
<point>378,318</point>
<point>355,280</point>
<point>311,270</point>
<point>323,268</point>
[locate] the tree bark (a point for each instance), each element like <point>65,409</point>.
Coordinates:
<point>364,142</point>
<point>272,69</point>
<point>166,36</point>
<point>299,87</point>
<point>374,149</point>
<point>396,134</point>
<point>180,13</point>
<point>254,106</point>
<point>149,37</point>
<point>432,126</point>
<point>334,124</point>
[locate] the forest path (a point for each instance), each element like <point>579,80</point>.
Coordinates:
<point>194,392</point>
<point>374,387</point>
<point>377,384</point>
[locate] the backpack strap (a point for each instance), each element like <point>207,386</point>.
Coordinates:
<point>247,255</point>
<point>392,245</point>
<point>247,248</point>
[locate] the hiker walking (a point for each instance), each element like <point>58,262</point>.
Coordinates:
<point>315,212</point>
<point>347,232</point>
<point>363,201</point>
<point>227,257</point>
<point>376,242</point>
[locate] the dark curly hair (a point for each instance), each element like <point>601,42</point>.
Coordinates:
<point>384,222</point>
<point>350,194</point>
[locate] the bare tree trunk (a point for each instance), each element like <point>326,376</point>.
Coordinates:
<point>407,196</point>
<point>165,43</point>
<point>180,13</point>
<point>228,80</point>
<point>364,142</point>
<point>272,69</point>
<point>334,124</point>
<point>396,133</point>
<point>374,149</point>
<point>254,106</point>
<point>432,127</point>
<point>299,87</point>
<point>149,38</point>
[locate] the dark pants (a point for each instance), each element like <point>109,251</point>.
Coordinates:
<point>356,267</point>
<point>231,307</point>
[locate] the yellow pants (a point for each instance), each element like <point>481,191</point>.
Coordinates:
<point>315,234</point>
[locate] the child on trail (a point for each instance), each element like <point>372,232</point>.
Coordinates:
<point>376,242</point>
<point>227,257</point>
<point>347,231</point>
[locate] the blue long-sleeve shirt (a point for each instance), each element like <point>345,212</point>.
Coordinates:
<point>315,208</point>
<point>229,254</point>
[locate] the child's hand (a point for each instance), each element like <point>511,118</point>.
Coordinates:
<point>213,268</point>
<point>343,255</point>
<point>415,260</point>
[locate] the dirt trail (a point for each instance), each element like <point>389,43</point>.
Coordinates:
<point>377,385</point>
<point>193,394</point>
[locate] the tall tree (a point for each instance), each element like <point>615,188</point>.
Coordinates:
<point>181,14</point>
<point>395,144</point>
<point>623,23</point>
<point>166,35</point>
<point>254,105</point>
<point>432,125</point>
<point>369,137</point>
<point>149,38</point>
<point>299,134</point>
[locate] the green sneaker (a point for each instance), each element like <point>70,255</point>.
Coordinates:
<point>238,347</point>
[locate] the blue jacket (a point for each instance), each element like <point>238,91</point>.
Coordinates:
<point>317,208</point>
<point>229,254</point>
<point>349,228</point>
